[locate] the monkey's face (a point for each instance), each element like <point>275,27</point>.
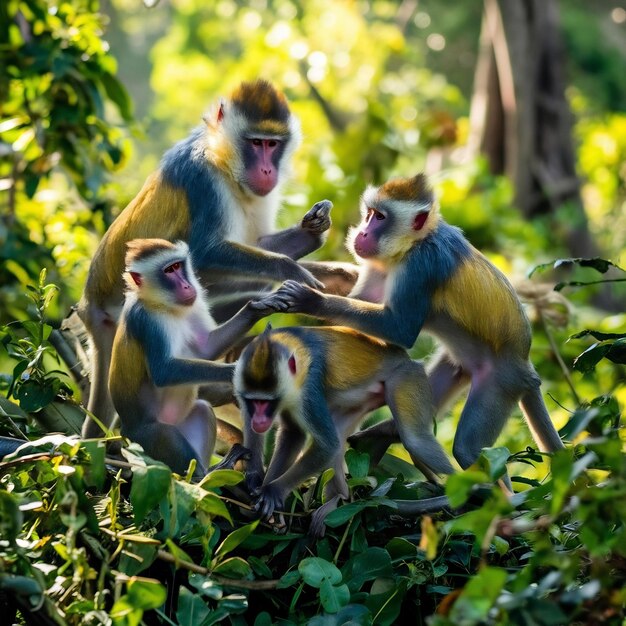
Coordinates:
<point>261,160</point>
<point>175,280</point>
<point>367,239</point>
<point>391,223</point>
<point>261,412</point>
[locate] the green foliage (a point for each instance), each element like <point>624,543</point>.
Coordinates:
<point>58,87</point>
<point>85,539</point>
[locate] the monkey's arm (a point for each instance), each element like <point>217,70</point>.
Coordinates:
<point>165,369</point>
<point>325,444</point>
<point>398,321</point>
<point>237,259</point>
<point>309,235</point>
<point>226,335</point>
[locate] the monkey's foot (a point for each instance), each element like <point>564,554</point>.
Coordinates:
<point>235,454</point>
<point>318,527</point>
<point>317,219</point>
<point>271,498</point>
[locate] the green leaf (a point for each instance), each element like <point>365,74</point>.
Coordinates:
<point>150,485</point>
<point>358,463</point>
<point>221,478</point>
<point>600,265</point>
<point>235,567</point>
<point>400,549</point>
<point>346,512</point>
<point>214,506</point>
<point>235,538</point>
<point>493,461</point>
<point>95,472</point>
<point>371,564</point>
<point>478,596</point>
<point>118,94</point>
<point>33,395</point>
<point>314,570</point>
<point>192,609</point>
<point>10,517</point>
<point>385,600</point>
<point>146,594</point>
<point>586,361</point>
<point>460,485</point>
<point>333,597</point>
<point>596,334</point>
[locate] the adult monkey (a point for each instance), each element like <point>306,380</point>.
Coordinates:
<point>218,190</point>
<point>429,276</point>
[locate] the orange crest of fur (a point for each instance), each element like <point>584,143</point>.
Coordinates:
<point>415,188</point>
<point>261,103</point>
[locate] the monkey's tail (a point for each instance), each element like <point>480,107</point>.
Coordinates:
<point>539,422</point>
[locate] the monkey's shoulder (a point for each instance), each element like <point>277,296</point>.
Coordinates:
<point>432,261</point>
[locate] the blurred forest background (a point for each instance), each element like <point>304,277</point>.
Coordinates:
<point>516,110</point>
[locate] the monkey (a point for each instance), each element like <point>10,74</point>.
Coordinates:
<point>419,272</point>
<point>318,383</point>
<point>163,350</point>
<point>219,191</point>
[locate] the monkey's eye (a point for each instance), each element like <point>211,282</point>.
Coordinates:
<point>256,142</point>
<point>174,267</point>
<point>374,213</point>
<point>272,143</point>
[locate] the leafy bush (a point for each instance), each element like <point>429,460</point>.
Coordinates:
<point>88,539</point>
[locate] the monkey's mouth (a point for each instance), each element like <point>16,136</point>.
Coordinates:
<point>261,411</point>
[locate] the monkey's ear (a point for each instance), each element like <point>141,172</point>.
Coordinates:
<point>220,112</point>
<point>292,364</point>
<point>137,279</point>
<point>419,220</point>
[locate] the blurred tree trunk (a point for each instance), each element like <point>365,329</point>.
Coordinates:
<point>520,119</point>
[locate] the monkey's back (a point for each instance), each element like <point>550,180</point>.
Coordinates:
<point>348,357</point>
<point>128,370</point>
<point>158,210</point>
<point>479,300</point>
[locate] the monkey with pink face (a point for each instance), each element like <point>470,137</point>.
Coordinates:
<point>163,352</point>
<point>420,273</point>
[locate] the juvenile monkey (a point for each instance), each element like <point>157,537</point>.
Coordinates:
<point>163,350</point>
<point>418,272</point>
<point>218,190</point>
<point>303,378</point>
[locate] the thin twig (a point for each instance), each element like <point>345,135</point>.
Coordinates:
<point>559,359</point>
<point>198,569</point>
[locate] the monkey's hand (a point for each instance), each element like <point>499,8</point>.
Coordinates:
<point>254,480</point>
<point>295,271</point>
<point>300,298</point>
<point>317,219</point>
<point>271,498</point>
<point>275,302</point>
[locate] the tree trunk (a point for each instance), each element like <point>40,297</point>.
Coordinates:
<point>520,119</point>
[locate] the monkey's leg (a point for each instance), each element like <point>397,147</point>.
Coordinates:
<point>408,395</point>
<point>335,490</point>
<point>199,429</point>
<point>538,419</point>
<point>100,403</point>
<point>325,445</point>
<point>446,379</point>
<point>488,406</point>
<point>164,442</point>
